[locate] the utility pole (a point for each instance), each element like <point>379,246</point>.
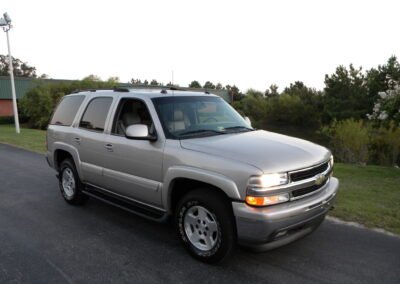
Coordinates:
<point>6,24</point>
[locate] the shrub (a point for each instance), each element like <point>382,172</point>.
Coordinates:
<point>349,140</point>
<point>6,120</point>
<point>38,105</point>
<point>385,145</point>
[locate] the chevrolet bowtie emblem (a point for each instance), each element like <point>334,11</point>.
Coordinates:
<point>319,179</point>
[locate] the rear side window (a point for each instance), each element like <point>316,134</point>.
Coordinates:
<point>95,114</point>
<point>66,110</point>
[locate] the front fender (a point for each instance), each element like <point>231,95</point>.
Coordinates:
<point>201,175</point>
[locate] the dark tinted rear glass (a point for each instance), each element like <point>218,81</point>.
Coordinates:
<point>95,114</point>
<point>66,110</point>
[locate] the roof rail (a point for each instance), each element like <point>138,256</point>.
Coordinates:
<point>89,90</point>
<point>121,89</point>
<point>172,88</point>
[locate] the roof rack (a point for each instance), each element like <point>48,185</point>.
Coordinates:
<point>115,89</point>
<point>172,88</point>
<point>90,90</point>
<point>121,89</point>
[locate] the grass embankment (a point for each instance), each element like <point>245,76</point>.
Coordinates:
<point>368,195</point>
<point>30,139</point>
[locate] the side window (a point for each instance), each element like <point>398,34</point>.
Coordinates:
<point>66,110</point>
<point>129,112</point>
<point>95,114</point>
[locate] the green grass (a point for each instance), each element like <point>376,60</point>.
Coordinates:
<point>369,195</point>
<point>30,139</point>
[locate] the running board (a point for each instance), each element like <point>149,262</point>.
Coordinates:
<point>126,204</point>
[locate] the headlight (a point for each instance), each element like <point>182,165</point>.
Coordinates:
<point>331,162</point>
<point>266,183</point>
<point>268,180</point>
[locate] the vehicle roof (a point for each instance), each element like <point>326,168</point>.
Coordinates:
<point>149,93</point>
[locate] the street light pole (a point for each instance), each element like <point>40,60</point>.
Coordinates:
<point>6,24</point>
<point>14,96</point>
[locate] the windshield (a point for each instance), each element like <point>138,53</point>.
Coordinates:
<point>198,116</point>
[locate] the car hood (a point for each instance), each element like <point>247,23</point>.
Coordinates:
<point>268,151</point>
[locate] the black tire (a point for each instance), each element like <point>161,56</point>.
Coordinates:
<point>74,194</point>
<point>220,209</point>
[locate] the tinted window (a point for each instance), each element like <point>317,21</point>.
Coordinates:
<point>95,114</point>
<point>66,110</point>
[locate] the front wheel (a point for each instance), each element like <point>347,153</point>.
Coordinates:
<point>205,225</point>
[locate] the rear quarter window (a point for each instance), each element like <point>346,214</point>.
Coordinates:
<point>66,110</point>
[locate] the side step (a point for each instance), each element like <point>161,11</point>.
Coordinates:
<point>126,204</point>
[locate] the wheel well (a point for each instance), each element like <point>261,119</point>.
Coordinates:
<point>182,186</point>
<point>61,155</point>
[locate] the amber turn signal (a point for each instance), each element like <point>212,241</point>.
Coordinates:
<point>267,200</point>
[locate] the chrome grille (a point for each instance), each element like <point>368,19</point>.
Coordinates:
<point>307,190</point>
<point>309,173</point>
<point>309,177</point>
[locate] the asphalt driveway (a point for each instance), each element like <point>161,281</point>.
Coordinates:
<point>44,240</point>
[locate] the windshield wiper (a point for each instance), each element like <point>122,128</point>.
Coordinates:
<point>244,128</point>
<point>201,131</point>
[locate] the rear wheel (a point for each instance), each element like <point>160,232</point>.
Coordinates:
<point>70,185</point>
<point>205,225</point>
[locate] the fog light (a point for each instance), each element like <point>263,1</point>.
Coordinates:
<point>267,200</point>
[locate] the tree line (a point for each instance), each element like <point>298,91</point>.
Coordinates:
<point>357,113</point>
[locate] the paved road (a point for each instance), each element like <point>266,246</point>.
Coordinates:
<point>44,240</point>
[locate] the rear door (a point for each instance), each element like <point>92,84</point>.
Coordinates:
<point>89,138</point>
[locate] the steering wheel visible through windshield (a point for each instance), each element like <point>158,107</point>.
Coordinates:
<point>198,116</point>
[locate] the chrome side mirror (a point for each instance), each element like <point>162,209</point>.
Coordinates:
<point>139,132</point>
<point>247,119</point>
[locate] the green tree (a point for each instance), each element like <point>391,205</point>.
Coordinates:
<point>38,104</point>
<point>21,69</point>
<point>307,95</point>
<point>345,94</point>
<point>381,79</point>
<point>208,85</point>
<point>219,86</point>
<point>254,106</point>
<point>136,81</point>
<point>155,83</point>
<point>113,80</point>
<point>195,84</point>
<point>272,91</point>
<point>234,93</point>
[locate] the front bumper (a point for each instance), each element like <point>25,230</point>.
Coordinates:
<point>271,227</point>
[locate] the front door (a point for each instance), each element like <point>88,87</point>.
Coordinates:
<point>134,167</point>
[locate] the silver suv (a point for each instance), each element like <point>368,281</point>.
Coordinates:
<point>190,156</point>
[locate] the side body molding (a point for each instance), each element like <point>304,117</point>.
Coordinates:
<point>201,175</point>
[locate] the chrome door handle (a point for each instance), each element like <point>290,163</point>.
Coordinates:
<point>109,147</point>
